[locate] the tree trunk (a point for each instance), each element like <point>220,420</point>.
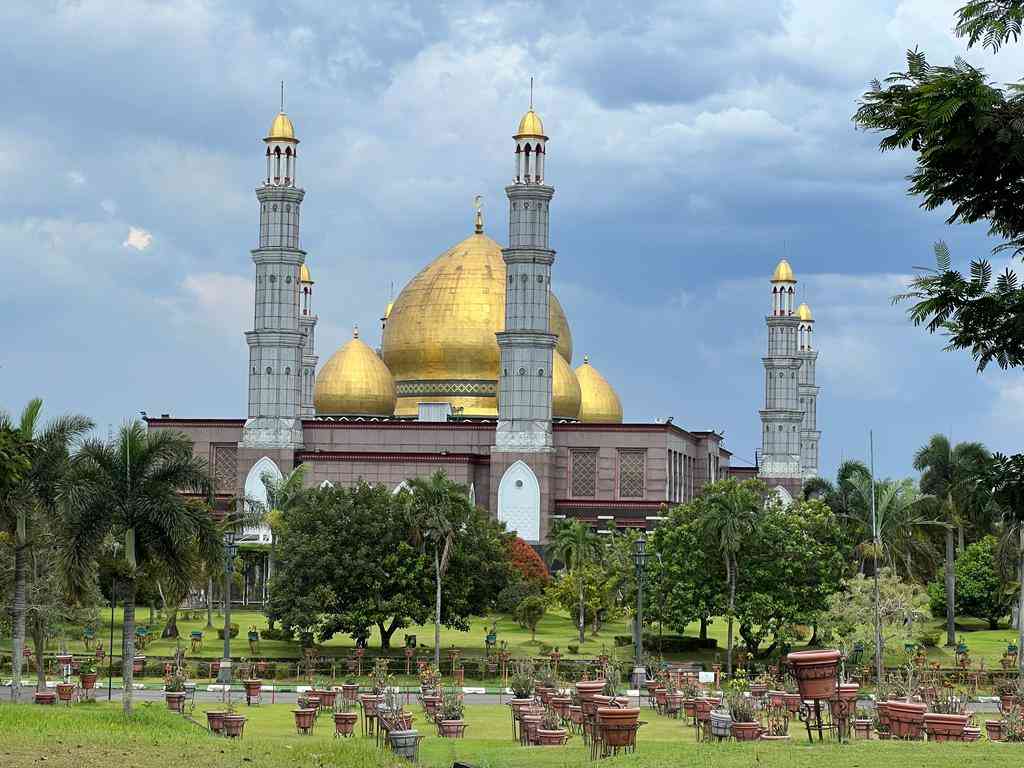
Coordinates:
<point>583,638</point>
<point>18,644</point>
<point>385,634</point>
<point>171,627</point>
<point>1020,603</point>
<point>950,590</point>
<point>209,603</point>
<point>437,611</point>
<point>703,628</point>
<point>269,573</point>
<point>128,658</point>
<point>731,577</point>
<point>960,538</point>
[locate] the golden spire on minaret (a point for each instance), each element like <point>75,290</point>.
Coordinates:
<point>478,204</point>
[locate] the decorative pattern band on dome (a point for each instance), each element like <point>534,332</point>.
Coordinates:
<point>481,388</point>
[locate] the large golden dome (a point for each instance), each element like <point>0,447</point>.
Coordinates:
<point>354,382</point>
<point>530,125</point>
<point>565,390</point>
<point>282,129</point>
<point>598,402</point>
<point>439,340</point>
<point>783,273</point>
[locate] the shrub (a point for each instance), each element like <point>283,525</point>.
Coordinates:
<point>928,639</point>
<point>574,648</point>
<point>234,631</point>
<point>278,633</point>
<point>669,643</point>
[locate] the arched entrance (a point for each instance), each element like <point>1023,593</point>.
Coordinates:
<point>519,501</point>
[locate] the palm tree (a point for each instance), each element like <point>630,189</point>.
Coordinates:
<point>35,493</point>
<point>952,475</point>
<point>576,545</point>
<point>131,488</point>
<point>282,495</point>
<point>901,516</point>
<point>728,516</point>
<point>439,509</point>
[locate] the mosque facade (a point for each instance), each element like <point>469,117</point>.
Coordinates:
<point>474,376</point>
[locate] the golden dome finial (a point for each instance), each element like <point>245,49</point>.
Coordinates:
<point>783,273</point>
<point>586,359</point>
<point>355,331</point>
<point>531,124</point>
<point>478,203</point>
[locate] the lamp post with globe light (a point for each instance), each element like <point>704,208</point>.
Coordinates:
<point>640,560</point>
<point>230,550</point>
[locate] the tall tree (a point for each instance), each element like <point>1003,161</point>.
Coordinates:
<point>728,517</point>
<point>283,495</point>
<point>1006,478</point>
<point>33,497</point>
<point>131,488</point>
<point>953,476</point>
<point>439,509</point>
<point>576,545</point>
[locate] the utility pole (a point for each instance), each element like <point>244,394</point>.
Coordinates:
<point>876,543</point>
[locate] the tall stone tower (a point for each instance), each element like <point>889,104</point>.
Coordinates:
<point>527,344</point>
<point>277,342</point>
<point>782,417</point>
<point>810,436</point>
<point>523,454</point>
<point>307,323</point>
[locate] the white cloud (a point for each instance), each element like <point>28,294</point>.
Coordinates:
<point>212,301</point>
<point>76,178</point>
<point>138,238</point>
<point>109,206</point>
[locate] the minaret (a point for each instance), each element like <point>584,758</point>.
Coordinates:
<point>307,322</point>
<point>277,341</point>
<point>810,436</point>
<point>526,344</point>
<point>782,416</point>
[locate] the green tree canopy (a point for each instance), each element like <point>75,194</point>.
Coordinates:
<point>980,591</point>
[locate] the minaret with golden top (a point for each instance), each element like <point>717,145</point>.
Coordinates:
<point>527,344</point>
<point>278,352</point>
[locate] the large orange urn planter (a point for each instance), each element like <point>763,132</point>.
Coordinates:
<point>618,725</point>
<point>816,672</point>
<point>746,731</point>
<point>944,727</point>
<point>344,723</point>
<point>304,720</point>
<point>906,719</point>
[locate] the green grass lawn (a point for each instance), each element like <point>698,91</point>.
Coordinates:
<point>97,736</point>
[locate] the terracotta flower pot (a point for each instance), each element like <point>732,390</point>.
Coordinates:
<point>327,699</point>
<point>350,692</point>
<point>995,729</point>
<point>431,704</point>
<point>88,680</point>
<point>689,707</point>
<point>588,689</point>
<point>815,672</point>
<point>882,707</point>
<point>65,691</point>
<point>175,700</point>
<point>452,729</point>
<point>769,737</point>
<point>45,697</point>
<point>215,719</point>
<point>618,724</point>
<point>1006,702</point>
<point>234,725</point>
<point>530,722</point>
<point>906,719</point>
<point>745,731</point>
<point>304,719</point>
<point>576,714</point>
<point>971,734</point>
<point>252,690</point>
<point>776,698</point>
<point>561,706</point>
<point>553,738</point>
<point>344,723</point>
<point>792,702</point>
<point>944,727</point>
<point>519,704</point>
<point>862,728</point>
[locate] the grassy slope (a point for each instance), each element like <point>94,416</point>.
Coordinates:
<point>556,629</point>
<point>97,737</point>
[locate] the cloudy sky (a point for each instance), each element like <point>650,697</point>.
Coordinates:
<point>693,144</point>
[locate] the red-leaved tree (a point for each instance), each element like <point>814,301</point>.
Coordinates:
<point>526,560</point>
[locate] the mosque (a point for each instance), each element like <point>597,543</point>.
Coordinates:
<point>475,376</point>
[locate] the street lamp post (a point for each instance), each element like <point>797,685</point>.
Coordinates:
<point>640,560</point>
<point>230,549</point>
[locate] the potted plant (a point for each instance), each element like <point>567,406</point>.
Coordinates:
<point>215,720</point>
<point>550,732</point>
<point>816,672</point>
<point>65,691</point>
<point>404,743</point>
<point>522,683</point>
<point>744,725</point>
<point>995,730</point>
<point>44,697</point>
<point>305,718</point>
<point>450,723</point>
<point>906,718</point>
<point>253,690</point>
<point>234,723</point>
<point>776,724</point>
<point>345,719</point>
<point>721,723</point>
<point>174,693</point>
<point>948,717</point>
<point>350,690</point>
<point>1006,690</point>
<point>87,674</point>
<point>691,692</point>
<point>792,699</point>
<point>862,723</point>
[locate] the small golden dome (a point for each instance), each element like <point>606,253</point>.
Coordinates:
<point>565,390</point>
<point>304,275</point>
<point>281,129</point>
<point>804,312</point>
<point>531,125</point>
<point>783,273</point>
<point>598,401</point>
<point>439,337</point>
<point>355,382</point>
